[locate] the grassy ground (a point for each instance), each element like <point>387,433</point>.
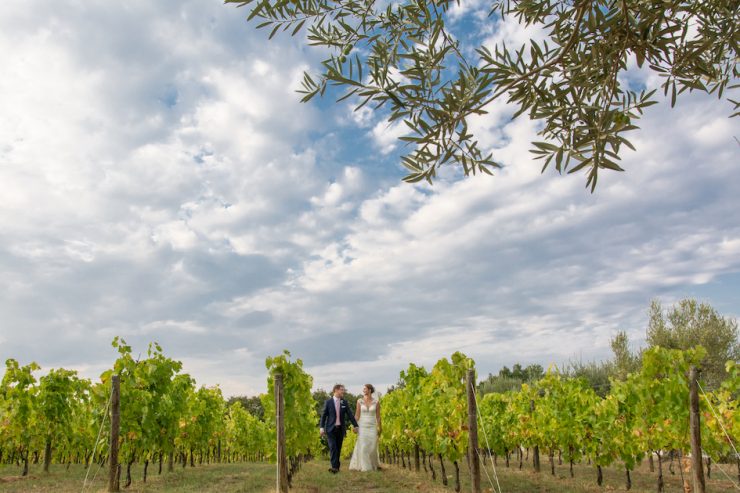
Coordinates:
<point>314,478</point>
<point>221,478</point>
<point>513,480</point>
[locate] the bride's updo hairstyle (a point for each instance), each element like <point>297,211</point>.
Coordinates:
<point>370,388</point>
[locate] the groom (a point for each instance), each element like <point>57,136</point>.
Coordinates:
<point>333,424</point>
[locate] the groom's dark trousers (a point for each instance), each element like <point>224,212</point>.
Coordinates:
<point>335,438</point>
<point>335,433</point>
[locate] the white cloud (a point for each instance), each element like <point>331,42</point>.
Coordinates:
<point>460,9</point>
<point>386,134</point>
<point>362,117</point>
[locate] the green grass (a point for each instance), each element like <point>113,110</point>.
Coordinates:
<point>513,480</point>
<point>221,478</point>
<point>315,478</point>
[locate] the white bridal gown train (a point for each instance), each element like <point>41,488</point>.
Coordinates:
<point>365,455</point>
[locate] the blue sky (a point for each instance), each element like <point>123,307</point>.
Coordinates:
<point>162,182</point>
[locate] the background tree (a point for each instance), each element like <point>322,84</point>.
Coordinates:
<point>596,373</point>
<point>408,56</point>
<point>320,396</point>
<point>625,361</point>
<point>253,405</point>
<point>688,324</point>
<point>511,379</point>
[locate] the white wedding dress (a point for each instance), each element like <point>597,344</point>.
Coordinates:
<point>365,455</point>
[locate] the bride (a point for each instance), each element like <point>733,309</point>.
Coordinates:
<point>365,455</point>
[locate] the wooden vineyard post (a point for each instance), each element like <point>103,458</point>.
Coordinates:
<point>697,465</point>
<point>536,451</point>
<point>282,463</point>
<point>115,420</point>
<point>473,433</point>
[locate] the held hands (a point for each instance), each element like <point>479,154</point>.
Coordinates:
<point>356,429</point>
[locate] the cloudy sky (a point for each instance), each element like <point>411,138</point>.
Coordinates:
<point>161,181</point>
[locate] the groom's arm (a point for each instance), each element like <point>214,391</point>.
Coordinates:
<point>324,418</point>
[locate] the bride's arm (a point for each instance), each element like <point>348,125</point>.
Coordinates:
<point>377,415</point>
<point>357,411</point>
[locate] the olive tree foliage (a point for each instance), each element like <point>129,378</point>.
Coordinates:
<point>688,324</point>
<point>625,361</point>
<point>407,55</point>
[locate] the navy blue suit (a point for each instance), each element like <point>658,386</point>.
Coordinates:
<point>335,434</point>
